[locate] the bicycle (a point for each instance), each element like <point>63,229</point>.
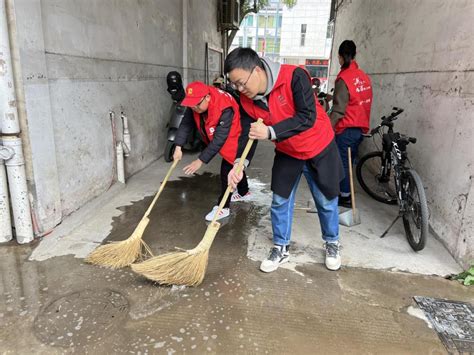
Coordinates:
<point>374,173</point>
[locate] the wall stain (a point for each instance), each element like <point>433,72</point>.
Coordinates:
<point>460,202</point>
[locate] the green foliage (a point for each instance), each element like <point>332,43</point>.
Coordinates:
<point>247,5</point>
<point>289,3</point>
<point>466,277</point>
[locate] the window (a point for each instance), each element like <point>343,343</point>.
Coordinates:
<point>261,21</point>
<point>317,71</point>
<point>280,18</point>
<point>330,31</point>
<point>272,45</point>
<point>241,41</point>
<point>250,42</point>
<point>303,35</point>
<point>277,45</point>
<point>271,22</point>
<point>250,20</point>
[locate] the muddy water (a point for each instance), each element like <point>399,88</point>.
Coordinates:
<point>62,305</point>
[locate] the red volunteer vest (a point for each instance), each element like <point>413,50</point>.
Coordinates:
<point>360,99</point>
<point>220,100</point>
<point>305,145</point>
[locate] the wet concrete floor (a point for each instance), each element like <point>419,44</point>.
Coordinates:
<point>61,305</point>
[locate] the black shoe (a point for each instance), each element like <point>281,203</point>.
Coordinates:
<point>345,202</point>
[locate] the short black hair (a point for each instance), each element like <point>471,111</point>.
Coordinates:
<point>347,50</point>
<point>242,58</point>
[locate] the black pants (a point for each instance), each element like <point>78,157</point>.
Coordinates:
<point>242,187</point>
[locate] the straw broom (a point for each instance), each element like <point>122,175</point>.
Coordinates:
<point>116,255</point>
<point>187,267</point>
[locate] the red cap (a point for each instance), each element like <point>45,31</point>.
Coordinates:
<point>195,93</point>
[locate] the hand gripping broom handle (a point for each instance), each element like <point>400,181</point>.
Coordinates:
<point>175,162</point>
<point>238,170</point>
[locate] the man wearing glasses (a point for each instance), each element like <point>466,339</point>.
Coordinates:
<point>216,115</point>
<point>282,96</point>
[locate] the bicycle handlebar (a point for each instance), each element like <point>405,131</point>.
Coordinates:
<point>392,116</point>
<point>386,121</point>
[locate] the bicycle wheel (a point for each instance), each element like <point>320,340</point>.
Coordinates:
<point>369,174</point>
<point>415,218</point>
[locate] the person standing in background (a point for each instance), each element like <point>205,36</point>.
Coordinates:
<point>350,116</point>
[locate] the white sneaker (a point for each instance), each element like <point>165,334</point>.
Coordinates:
<point>333,256</point>
<point>278,255</point>
<point>237,197</point>
<point>225,212</point>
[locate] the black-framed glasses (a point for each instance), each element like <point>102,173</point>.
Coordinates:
<point>200,102</point>
<point>239,86</point>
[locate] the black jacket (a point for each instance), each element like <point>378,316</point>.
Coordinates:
<point>326,167</point>
<point>220,135</point>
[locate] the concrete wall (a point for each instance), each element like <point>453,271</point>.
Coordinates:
<point>80,59</point>
<point>419,56</point>
<point>202,28</point>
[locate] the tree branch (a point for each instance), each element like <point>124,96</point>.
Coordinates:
<point>232,33</point>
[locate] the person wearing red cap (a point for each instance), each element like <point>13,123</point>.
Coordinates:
<point>216,115</point>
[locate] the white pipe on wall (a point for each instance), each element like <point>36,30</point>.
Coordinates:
<point>126,151</point>
<point>122,147</point>
<point>120,163</point>
<point>126,136</point>
<point>9,122</point>
<point>18,190</point>
<point>18,82</point>
<point>5,219</point>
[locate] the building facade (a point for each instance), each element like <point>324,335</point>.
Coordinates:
<point>299,35</point>
<point>305,33</point>
<point>262,31</point>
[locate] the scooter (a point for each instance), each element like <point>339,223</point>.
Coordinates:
<point>323,98</point>
<point>177,112</point>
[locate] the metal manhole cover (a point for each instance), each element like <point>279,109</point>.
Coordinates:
<point>452,320</point>
<point>80,318</point>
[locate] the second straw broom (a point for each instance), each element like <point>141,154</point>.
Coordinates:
<point>116,255</point>
<point>188,267</point>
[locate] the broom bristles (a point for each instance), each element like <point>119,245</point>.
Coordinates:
<point>188,267</point>
<point>120,254</point>
<point>182,267</point>
<point>176,268</point>
<point>116,255</point>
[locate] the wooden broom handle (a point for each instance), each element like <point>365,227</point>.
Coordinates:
<point>350,178</point>
<point>240,165</point>
<point>175,162</point>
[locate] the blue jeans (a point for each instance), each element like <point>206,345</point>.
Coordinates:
<point>282,213</point>
<point>350,137</point>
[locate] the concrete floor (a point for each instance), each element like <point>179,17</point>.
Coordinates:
<point>52,303</point>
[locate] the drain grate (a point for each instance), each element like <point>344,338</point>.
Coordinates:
<point>80,318</point>
<point>453,321</point>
